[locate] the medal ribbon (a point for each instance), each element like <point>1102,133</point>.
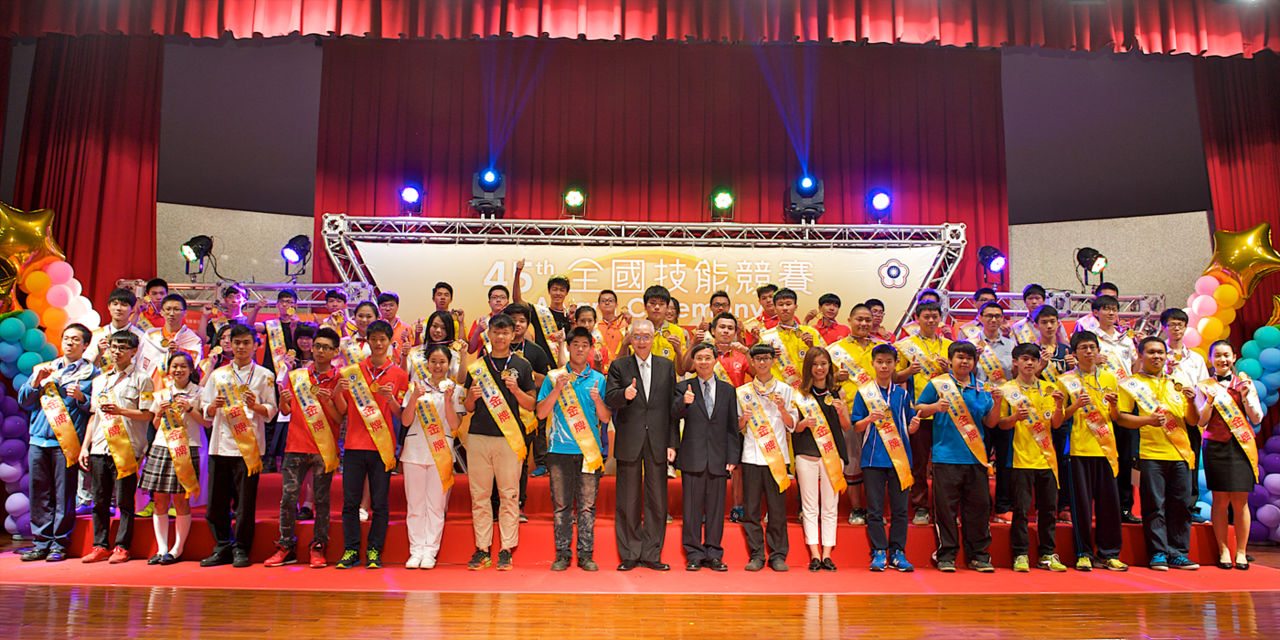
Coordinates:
<point>237,415</point>
<point>497,407</point>
<point>303,385</point>
<point>1038,424</point>
<point>808,406</point>
<point>763,431</point>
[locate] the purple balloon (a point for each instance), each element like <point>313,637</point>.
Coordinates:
<point>17,504</point>
<point>13,427</point>
<point>1272,445</point>
<point>1271,463</point>
<point>13,472</point>
<point>1272,484</point>
<point>24,524</point>
<point>1267,514</point>
<point>13,451</point>
<point>1258,532</point>
<point>24,485</point>
<point>9,406</point>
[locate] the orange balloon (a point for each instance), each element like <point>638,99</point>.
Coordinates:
<point>53,317</point>
<point>1226,315</point>
<point>1210,329</point>
<point>36,283</point>
<point>37,304</point>
<point>54,336</point>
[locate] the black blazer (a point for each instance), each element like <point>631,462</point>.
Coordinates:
<point>709,442</point>
<point>648,416</point>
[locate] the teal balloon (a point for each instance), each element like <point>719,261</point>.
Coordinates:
<point>28,361</point>
<point>11,329</point>
<point>1251,367</point>
<point>29,319</point>
<point>1267,337</point>
<point>48,352</point>
<point>32,340</point>
<point>1251,349</point>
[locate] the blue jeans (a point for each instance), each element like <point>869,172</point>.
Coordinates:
<point>569,485</point>
<point>53,497</point>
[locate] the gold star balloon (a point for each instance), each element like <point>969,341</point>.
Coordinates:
<point>25,244</point>
<point>1275,311</point>
<point>1245,257</point>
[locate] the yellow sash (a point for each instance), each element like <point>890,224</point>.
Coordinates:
<point>808,406</point>
<point>275,340</point>
<point>371,415</point>
<point>55,411</point>
<point>916,353</point>
<point>911,328</point>
<point>1119,369</point>
<point>174,427</point>
<point>990,363</point>
<point>497,406</point>
<point>973,333</point>
<point>237,416</point>
<point>843,359</point>
<point>433,428</point>
<point>1146,400</point>
<point>721,374</point>
<point>118,442</point>
<point>759,425</point>
<point>888,431</point>
<point>313,414</point>
<point>1023,332</point>
<point>1234,417</point>
<point>548,324</point>
<point>352,353</point>
<point>1093,418</point>
<point>786,368</point>
<point>108,358</point>
<point>582,432</point>
<point>1039,424</point>
<point>960,417</point>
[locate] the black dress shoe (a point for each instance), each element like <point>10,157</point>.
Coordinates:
<point>155,559</point>
<point>1127,517</point>
<point>628,565</point>
<point>656,566</point>
<point>715,564</point>
<point>693,565</point>
<point>56,556</point>
<point>168,559</point>
<point>241,559</point>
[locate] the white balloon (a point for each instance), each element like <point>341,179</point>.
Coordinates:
<point>91,320</point>
<point>76,288</point>
<point>77,307</point>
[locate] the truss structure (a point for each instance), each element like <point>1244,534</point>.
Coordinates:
<point>1142,313</point>
<point>310,296</point>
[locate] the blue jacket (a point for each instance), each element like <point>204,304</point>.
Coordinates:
<point>79,373</point>
<point>874,454</point>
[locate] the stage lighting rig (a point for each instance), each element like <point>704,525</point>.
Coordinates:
<point>488,193</point>
<point>804,199</point>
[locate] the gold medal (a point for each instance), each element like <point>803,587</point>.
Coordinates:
<point>243,389</point>
<point>104,399</point>
<point>216,351</point>
<point>292,353</point>
<point>165,342</point>
<point>1177,386</point>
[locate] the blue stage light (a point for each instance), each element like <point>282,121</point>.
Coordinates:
<point>806,186</point>
<point>880,200</point>
<point>410,195</point>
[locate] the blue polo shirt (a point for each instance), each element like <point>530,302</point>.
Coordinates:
<point>874,454</point>
<point>948,446</point>
<point>559,436</point>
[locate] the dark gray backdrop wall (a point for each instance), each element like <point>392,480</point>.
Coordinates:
<point>21,63</point>
<point>1100,135</point>
<point>238,124</point>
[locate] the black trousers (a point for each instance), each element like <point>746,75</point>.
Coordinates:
<point>703,527</point>
<point>1037,484</point>
<point>1094,496</point>
<point>882,483</point>
<point>961,489</point>
<point>1127,451</point>
<point>1061,438</point>
<point>921,451</point>
<point>357,466</point>
<point>1193,434</point>
<point>759,486</point>
<point>231,488</point>
<point>998,450</point>
<point>103,482</point>
<point>641,512</point>
<point>1166,518</point>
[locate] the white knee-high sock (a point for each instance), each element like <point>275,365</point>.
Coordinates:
<point>160,522</point>
<point>181,526</point>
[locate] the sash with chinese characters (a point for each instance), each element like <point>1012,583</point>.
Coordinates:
<point>1115,366</point>
<point>785,340</point>
<point>352,351</point>
<point>55,411</point>
<point>433,428</point>
<point>371,414</point>
<point>275,339</point>
<point>1039,421</point>
<point>548,324</point>
<point>108,357</point>
<point>808,406</point>
<point>118,442</point>
<point>665,340</point>
<point>497,406</point>
<point>911,328</point>
<point>888,431</point>
<point>1050,371</point>
<point>1146,400</point>
<point>845,360</point>
<point>720,373</point>
<point>972,332</point>
<point>527,418</point>
<point>1023,332</point>
<point>959,412</point>
<point>1093,418</point>
<point>578,426</point>
<point>302,382</point>
<point>915,352</point>
<point>758,422</point>
<point>237,415</point>
<point>174,427</point>
<point>1234,417</point>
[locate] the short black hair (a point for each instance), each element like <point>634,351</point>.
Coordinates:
<point>388,296</point>
<point>366,303</point>
<point>327,334</point>
<point>585,308</point>
<point>929,293</point>
<point>85,333</point>
<point>497,287</point>
<point>580,332</point>
<point>1033,290</point>
<point>884,350</point>
<point>874,302</point>
<point>305,330</point>
<point>1105,286</point>
<point>719,294</point>
<point>984,291</point>
<point>608,291</point>
<point>926,306</point>
<point>657,291</point>
<point>760,349</point>
<point>155,282</point>
<point>1045,310</point>
<point>784,293</point>
<point>173,297</point>
<point>286,293</point>
<point>1082,337</point>
<point>767,288</point>
<point>380,326</point>
<point>990,305</point>
<point>558,280</point>
<point>442,348</point>
<point>1142,346</point>
<point>829,298</point>
<point>860,305</point>
<point>724,316</point>
<point>235,287</point>
<point>517,309</point>
<point>966,348</point>
<point>1173,313</point>
<point>1026,349</point>
<point>502,321</point>
<point>701,346</point>
<point>1102,302</point>
<point>241,329</point>
<point>446,286</point>
<point>122,295</point>
<point>335,294</point>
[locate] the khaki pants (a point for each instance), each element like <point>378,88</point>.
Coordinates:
<point>490,458</point>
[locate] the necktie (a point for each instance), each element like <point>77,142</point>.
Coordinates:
<point>706,396</point>
<point>644,375</point>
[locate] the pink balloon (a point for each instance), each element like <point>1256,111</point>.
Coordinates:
<point>59,295</point>
<point>1205,306</point>
<point>1191,338</point>
<point>59,272</point>
<point>1192,298</point>
<point>76,288</point>
<point>1205,285</point>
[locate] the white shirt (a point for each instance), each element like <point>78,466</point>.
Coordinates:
<point>1117,346</point>
<point>1189,370</point>
<point>750,447</point>
<point>1252,405</point>
<point>91,352</point>
<point>263,385</point>
<point>192,391</point>
<point>415,449</point>
<point>132,391</point>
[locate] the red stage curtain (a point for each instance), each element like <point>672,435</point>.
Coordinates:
<point>1157,26</point>
<point>6,53</point>
<point>89,153</point>
<point>649,129</point>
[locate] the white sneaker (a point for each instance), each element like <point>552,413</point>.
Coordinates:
<point>415,562</point>
<point>364,514</point>
<point>428,563</point>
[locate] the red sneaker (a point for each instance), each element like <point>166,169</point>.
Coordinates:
<point>98,554</point>
<point>281,557</point>
<point>317,557</point>
<point>119,555</point>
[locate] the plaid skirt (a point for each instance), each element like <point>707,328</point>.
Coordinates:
<point>158,474</point>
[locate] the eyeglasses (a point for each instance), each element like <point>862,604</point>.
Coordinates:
<point>641,338</point>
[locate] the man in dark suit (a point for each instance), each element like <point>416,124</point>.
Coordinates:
<point>640,389</point>
<point>708,451</point>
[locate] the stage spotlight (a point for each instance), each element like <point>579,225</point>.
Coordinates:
<point>488,191</point>
<point>297,250</point>
<point>575,203</point>
<point>410,200</point>
<point>197,248</point>
<point>879,203</point>
<point>721,205</point>
<point>992,260</point>
<point>804,199</point>
<point>1091,260</point>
